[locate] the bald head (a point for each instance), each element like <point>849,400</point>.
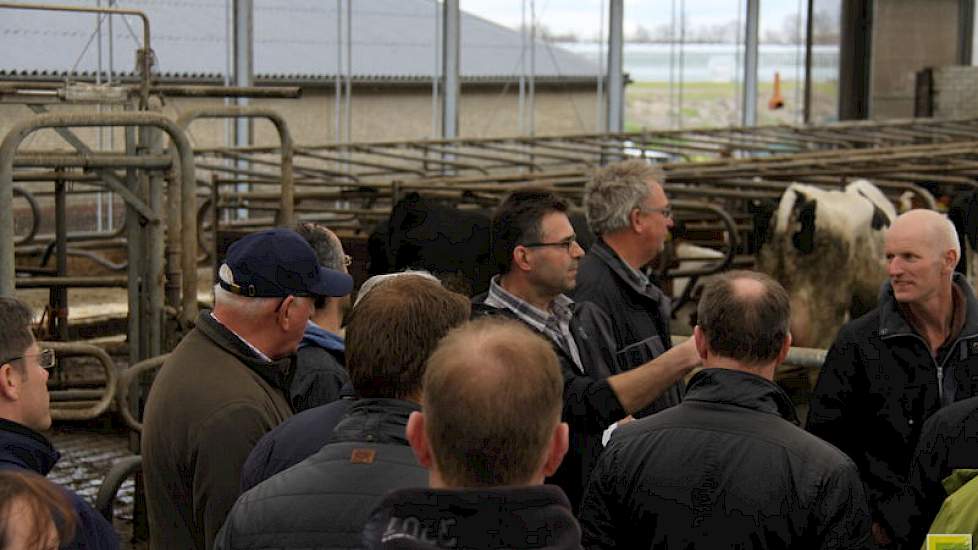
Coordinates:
<point>932,228</point>
<point>744,316</point>
<point>492,399</point>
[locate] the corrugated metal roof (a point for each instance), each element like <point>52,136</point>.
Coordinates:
<point>293,38</point>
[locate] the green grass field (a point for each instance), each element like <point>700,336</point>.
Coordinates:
<point>710,104</point>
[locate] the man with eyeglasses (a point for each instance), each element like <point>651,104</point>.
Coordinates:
<point>226,384</point>
<point>25,411</point>
<point>320,374</point>
<point>536,250</point>
<point>628,211</point>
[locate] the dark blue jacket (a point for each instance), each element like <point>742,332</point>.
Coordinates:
<point>292,441</point>
<point>21,448</point>
<point>320,375</point>
<point>325,500</point>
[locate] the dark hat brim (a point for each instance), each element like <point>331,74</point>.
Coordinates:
<point>332,283</point>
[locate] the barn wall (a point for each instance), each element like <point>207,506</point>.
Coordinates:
<point>953,92</point>
<point>379,113</point>
<point>908,35</point>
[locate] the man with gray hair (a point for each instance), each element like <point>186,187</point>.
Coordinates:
<point>628,211</point>
<point>226,384</point>
<point>320,372</point>
<point>729,463</point>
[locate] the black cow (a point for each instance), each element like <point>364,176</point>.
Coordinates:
<point>451,243</point>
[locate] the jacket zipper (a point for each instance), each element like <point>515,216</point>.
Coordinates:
<point>939,367</point>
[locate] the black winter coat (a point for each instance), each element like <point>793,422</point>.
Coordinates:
<point>590,405</point>
<point>325,501</point>
<point>948,442</point>
<point>878,386</point>
<point>726,468</point>
<point>21,448</point>
<point>639,316</point>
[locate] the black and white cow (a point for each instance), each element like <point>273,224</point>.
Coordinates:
<point>826,248</point>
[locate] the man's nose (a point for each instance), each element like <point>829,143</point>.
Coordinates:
<point>893,267</point>
<point>576,250</point>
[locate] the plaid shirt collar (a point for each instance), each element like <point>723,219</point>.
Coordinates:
<point>562,308</point>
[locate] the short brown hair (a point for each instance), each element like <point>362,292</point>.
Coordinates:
<point>518,220</point>
<point>15,329</point>
<point>392,331</point>
<point>43,501</point>
<point>493,395</point>
<point>745,326</point>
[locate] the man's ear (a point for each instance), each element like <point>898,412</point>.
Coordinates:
<point>699,337</point>
<point>635,220</point>
<point>785,348</point>
<point>557,449</point>
<point>10,382</point>
<point>520,259</point>
<point>289,316</point>
<point>418,440</point>
<point>950,260</point>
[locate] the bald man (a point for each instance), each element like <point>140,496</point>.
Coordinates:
<point>892,368</point>
<point>489,433</point>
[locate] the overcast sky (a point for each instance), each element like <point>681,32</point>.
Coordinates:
<point>583,17</point>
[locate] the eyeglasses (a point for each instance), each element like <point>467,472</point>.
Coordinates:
<point>665,211</point>
<point>45,358</point>
<point>566,244</point>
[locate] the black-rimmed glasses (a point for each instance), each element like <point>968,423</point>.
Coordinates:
<point>566,244</point>
<point>45,358</point>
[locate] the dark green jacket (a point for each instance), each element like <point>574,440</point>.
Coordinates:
<point>211,402</point>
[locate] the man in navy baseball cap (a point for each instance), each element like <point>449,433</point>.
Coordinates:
<point>278,263</point>
<point>226,383</point>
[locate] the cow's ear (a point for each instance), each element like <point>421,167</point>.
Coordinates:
<point>880,219</point>
<point>804,212</point>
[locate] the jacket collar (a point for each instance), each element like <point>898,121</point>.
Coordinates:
<point>625,272</point>
<point>741,389</point>
<point>494,517</point>
<point>316,335</point>
<point>375,420</point>
<point>277,373</point>
<point>892,322</point>
<point>22,447</point>
<point>957,479</point>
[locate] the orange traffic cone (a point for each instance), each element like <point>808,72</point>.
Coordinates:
<point>777,100</point>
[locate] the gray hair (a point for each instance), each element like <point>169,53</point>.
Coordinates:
<point>243,306</point>
<point>326,245</point>
<point>615,190</point>
<point>372,282</point>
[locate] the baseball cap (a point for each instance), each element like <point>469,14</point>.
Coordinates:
<point>275,263</point>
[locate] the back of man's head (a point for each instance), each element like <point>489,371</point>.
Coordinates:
<point>392,331</point>
<point>517,220</point>
<point>15,329</point>
<point>328,248</point>
<point>745,316</point>
<point>492,402</point>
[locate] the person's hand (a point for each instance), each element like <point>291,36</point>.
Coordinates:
<point>686,354</point>
<point>880,535</point>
